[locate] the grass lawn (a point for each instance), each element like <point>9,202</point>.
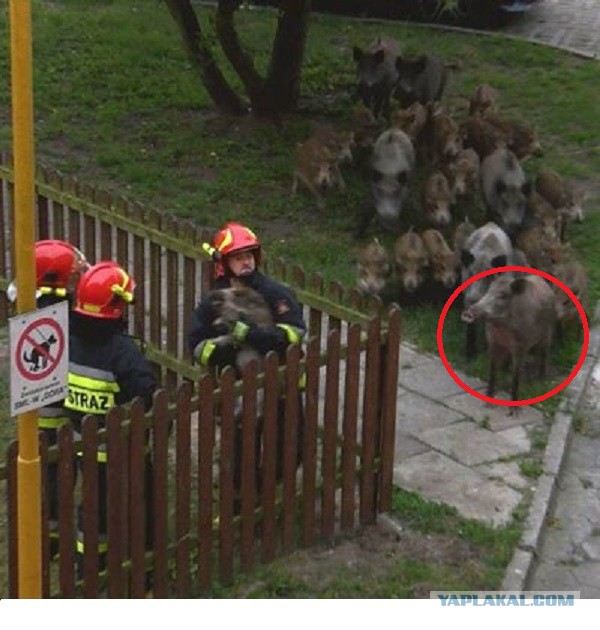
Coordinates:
<point>118,105</point>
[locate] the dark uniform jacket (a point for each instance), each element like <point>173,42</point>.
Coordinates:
<point>106,368</point>
<point>287,315</point>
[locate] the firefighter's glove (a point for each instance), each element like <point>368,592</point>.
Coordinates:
<point>240,331</point>
<point>208,352</point>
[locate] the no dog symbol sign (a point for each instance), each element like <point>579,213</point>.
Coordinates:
<point>39,363</point>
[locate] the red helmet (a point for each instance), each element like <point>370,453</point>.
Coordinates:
<point>233,238</point>
<point>58,266</point>
<point>104,290</point>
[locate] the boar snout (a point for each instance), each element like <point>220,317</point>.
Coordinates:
<point>468,316</point>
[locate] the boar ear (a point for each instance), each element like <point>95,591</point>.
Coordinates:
<point>357,54</point>
<point>466,257</point>
<point>518,285</point>
<point>499,261</point>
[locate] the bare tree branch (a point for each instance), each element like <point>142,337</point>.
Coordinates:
<point>242,63</point>
<point>201,57</point>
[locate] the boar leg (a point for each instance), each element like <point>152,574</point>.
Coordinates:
<point>517,362</point>
<point>340,180</point>
<point>470,341</point>
<point>320,199</point>
<point>493,373</point>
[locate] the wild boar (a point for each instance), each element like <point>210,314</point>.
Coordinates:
<point>461,234</point>
<point>561,196</point>
<point>366,128</point>
<point>519,315</point>
<point>411,260</point>
<point>536,241</point>
<point>317,168</point>
<point>437,198</point>
<point>572,273</point>
<point>463,173</point>
<point>411,120</point>
<point>505,189</point>
<point>483,100</point>
<point>446,137</point>
<point>486,248</point>
<point>420,80</point>
<point>232,304</point>
<point>373,268</point>
<point>520,138</point>
<point>481,136</point>
<point>340,143</point>
<point>376,73</point>
<point>443,262</point>
<point>391,166</point>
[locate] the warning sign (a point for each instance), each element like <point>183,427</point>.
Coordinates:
<point>39,343</point>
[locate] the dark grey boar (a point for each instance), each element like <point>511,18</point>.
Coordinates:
<point>233,304</point>
<point>373,268</point>
<point>391,165</point>
<point>519,315</point>
<point>376,73</point>
<point>505,189</point>
<point>443,262</point>
<point>420,80</point>
<point>411,260</point>
<point>487,247</point>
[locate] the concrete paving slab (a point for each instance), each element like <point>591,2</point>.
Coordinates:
<point>496,417</point>
<point>407,446</point>
<point>469,444</point>
<point>517,435</point>
<point>508,472</point>
<point>417,414</point>
<point>430,379</point>
<point>439,478</point>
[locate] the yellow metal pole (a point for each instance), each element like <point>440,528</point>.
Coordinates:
<point>29,512</point>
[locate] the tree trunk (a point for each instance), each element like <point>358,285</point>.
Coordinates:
<point>225,99</point>
<point>260,97</point>
<point>287,55</point>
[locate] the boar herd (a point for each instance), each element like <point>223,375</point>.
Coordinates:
<point>451,186</point>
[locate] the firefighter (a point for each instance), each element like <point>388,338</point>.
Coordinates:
<point>237,255</point>
<point>58,267</point>
<point>106,368</point>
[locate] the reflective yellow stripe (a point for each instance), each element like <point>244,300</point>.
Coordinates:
<point>86,401</point>
<point>102,546</point>
<point>294,334</point>
<point>101,456</point>
<point>94,384</point>
<point>52,423</point>
<point>207,350</point>
<point>302,382</point>
<point>91,395</point>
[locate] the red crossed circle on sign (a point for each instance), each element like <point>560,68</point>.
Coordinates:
<point>43,350</point>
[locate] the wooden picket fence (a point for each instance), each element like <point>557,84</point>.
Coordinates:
<point>205,529</point>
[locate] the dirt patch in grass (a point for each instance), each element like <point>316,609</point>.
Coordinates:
<point>373,562</point>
